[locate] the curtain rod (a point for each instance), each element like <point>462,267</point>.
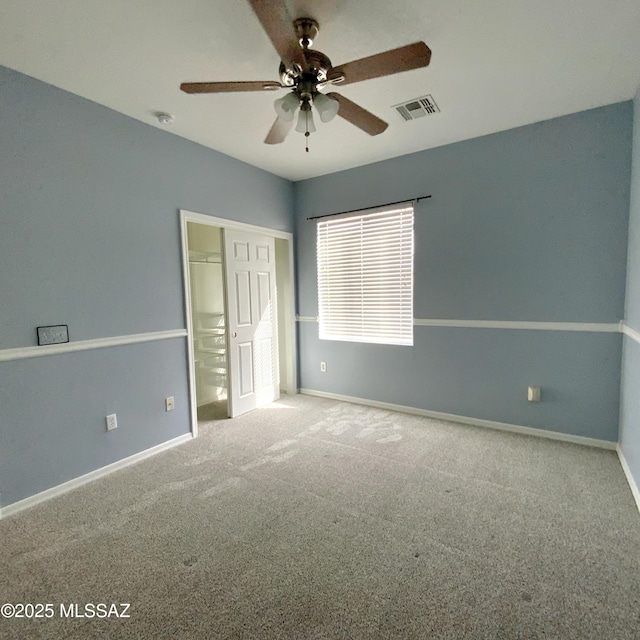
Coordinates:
<point>388,204</point>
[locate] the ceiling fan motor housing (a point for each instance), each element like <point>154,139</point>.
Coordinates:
<point>318,65</point>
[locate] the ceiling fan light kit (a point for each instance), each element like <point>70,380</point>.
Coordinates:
<point>327,107</point>
<point>305,120</point>
<point>305,71</point>
<point>286,107</point>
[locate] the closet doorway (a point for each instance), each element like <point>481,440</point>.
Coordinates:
<point>233,366</point>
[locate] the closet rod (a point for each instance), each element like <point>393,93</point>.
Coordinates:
<point>388,204</point>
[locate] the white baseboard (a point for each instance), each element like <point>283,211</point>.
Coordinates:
<point>476,422</point>
<point>630,479</point>
<point>65,487</point>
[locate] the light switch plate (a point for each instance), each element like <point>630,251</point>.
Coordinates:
<point>55,334</point>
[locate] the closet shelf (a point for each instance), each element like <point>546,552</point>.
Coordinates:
<point>213,331</point>
<point>207,373</point>
<point>214,351</point>
<point>212,378</point>
<point>205,257</point>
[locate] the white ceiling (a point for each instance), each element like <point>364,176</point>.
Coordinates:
<point>496,64</point>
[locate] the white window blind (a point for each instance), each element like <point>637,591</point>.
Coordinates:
<point>365,277</point>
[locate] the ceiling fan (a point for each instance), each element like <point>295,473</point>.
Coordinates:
<point>306,72</point>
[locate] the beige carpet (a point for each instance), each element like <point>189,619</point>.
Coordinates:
<point>318,519</point>
<point>212,411</point>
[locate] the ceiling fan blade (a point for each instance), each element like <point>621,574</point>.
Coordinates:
<point>358,116</point>
<point>412,56</point>
<point>278,131</point>
<point>278,24</point>
<point>226,87</point>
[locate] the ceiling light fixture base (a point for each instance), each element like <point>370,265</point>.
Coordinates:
<point>307,30</point>
<point>165,118</point>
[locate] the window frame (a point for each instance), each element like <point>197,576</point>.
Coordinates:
<point>352,307</point>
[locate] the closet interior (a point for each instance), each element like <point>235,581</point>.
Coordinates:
<point>208,317</point>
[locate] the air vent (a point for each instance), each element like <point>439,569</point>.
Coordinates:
<point>417,108</point>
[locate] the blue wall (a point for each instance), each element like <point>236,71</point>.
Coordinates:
<point>90,237</point>
<point>528,224</point>
<point>630,396</point>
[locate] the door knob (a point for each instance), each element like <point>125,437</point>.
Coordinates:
<point>234,335</point>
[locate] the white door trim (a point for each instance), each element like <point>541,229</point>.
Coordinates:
<point>201,218</point>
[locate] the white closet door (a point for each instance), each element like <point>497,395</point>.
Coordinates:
<point>250,268</point>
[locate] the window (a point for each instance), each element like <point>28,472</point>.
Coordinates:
<point>365,277</point>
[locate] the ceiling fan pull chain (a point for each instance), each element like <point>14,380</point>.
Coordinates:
<point>306,135</point>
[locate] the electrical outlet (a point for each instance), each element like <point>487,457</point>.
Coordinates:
<point>169,403</point>
<point>323,367</point>
<point>112,422</point>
